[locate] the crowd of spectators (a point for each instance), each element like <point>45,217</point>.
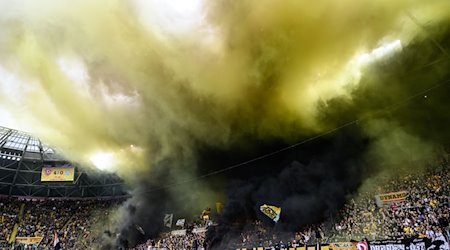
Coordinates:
<point>168,241</point>
<point>424,212</point>
<point>9,211</point>
<point>257,234</point>
<point>76,230</point>
<point>42,216</point>
<point>71,220</point>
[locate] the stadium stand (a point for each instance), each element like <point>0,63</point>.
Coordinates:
<point>70,211</point>
<point>424,213</point>
<point>33,209</point>
<point>424,210</point>
<point>72,220</point>
<point>9,212</point>
<point>168,241</point>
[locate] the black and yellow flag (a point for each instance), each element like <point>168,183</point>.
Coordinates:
<point>273,212</point>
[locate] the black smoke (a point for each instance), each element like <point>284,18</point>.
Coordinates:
<point>145,211</point>
<point>309,189</point>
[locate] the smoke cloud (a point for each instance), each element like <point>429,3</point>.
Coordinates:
<point>155,85</point>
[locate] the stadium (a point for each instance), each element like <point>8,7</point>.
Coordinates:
<point>225,125</point>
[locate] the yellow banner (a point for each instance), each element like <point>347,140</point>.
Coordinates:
<point>29,240</point>
<point>342,246</point>
<point>57,174</point>
<point>390,197</point>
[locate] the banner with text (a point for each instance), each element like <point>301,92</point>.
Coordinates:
<point>199,230</point>
<point>65,173</point>
<point>343,246</point>
<point>409,244</point>
<point>29,240</point>
<point>383,199</point>
<point>181,232</point>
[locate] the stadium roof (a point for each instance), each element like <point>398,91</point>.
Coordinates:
<point>22,157</point>
<point>15,145</point>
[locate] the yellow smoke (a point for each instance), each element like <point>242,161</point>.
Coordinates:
<point>139,80</point>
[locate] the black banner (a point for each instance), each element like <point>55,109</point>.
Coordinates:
<point>408,244</point>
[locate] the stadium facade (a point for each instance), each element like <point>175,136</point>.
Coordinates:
<point>22,159</point>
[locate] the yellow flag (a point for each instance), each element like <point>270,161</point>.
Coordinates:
<point>273,212</point>
<point>219,207</point>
